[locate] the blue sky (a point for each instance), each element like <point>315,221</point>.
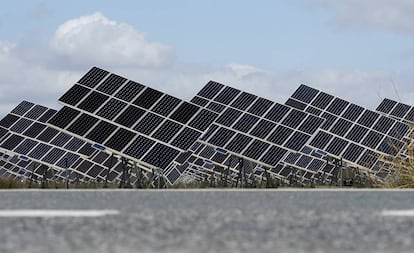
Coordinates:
<point>362,50</point>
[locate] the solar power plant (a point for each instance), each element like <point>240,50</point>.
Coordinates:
<point>25,133</point>
<point>108,123</point>
<point>129,119</point>
<point>267,134</point>
<point>358,135</point>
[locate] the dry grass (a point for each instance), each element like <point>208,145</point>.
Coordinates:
<point>402,168</point>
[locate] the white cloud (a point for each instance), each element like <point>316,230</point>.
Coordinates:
<point>390,15</point>
<point>42,74</point>
<point>20,79</point>
<point>92,39</point>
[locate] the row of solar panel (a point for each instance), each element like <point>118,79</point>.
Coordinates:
<point>125,140</point>
<point>54,137</point>
<point>357,135</point>
<point>218,95</point>
<point>127,114</point>
<point>49,154</point>
<point>260,127</point>
<point>83,167</point>
<point>367,120</point>
<point>348,112</point>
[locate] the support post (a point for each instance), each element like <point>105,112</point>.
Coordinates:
<point>66,173</point>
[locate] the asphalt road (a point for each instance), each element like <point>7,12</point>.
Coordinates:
<point>206,221</point>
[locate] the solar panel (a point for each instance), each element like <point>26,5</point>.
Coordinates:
<point>399,111</point>
<point>34,130</point>
<point>21,125</point>
<point>305,93</point>
<point>229,117</point>
<point>147,98</point>
<point>120,139</point>
<point>357,133</point>
<point>368,118</point>
<point>260,106</point>
<point>386,106</point>
<point>243,101</point>
<point>311,124</point>
<point>112,108</point>
<point>295,104</point>
<point>353,152</point>
<point>277,113</point>
<point>210,90</point>
<point>384,124</point>
<point>199,101</point>
<point>185,138</point>
<point>184,112</point>
<point>22,108</point>
<point>216,107</point>
<point>341,127</point>
<point>238,143</point>
<point>148,123</point>
<point>263,128</point>
<point>120,114</point>
<point>139,147</point>
<point>353,112</point>
<point>246,122</point>
<point>297,141</point>
<point>226,95</point>
<point>294,118</point>
<point>203,120</point>
<point>360,136</point>
<point>337,107</point>
<point>111,84</point>
<point>130,116</point>
<point>322,100</point>
<point>8,121</point>
<point>93,77</point>
<point>82,124</point>
<point>36,112</point>
<point>128,91</point>
<point>93,101</point>
<point>167,131</point>
<point>336,146</point>
<point>280,135</point>
<point>167,104</point>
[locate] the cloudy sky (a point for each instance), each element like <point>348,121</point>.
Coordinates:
<point>360,50</point>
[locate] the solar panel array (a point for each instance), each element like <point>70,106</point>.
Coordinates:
<point>25,132</point>
<point>129,119</point>
<point>268,134</point>
<point>358,135</point>
<point>221,129</point>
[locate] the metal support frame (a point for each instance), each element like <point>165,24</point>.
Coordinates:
<point>339,166</point>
